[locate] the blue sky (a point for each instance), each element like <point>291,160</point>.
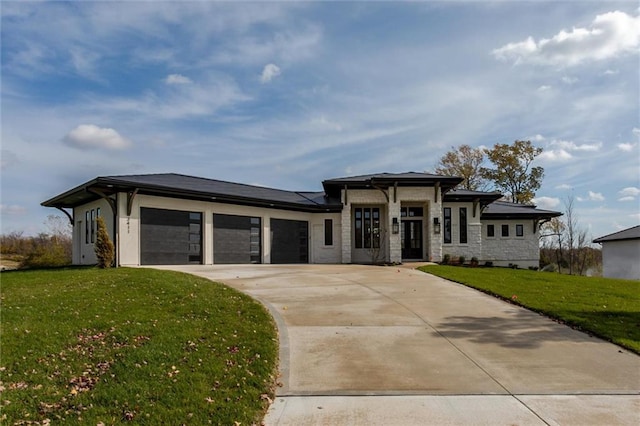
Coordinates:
<point>288,94</point>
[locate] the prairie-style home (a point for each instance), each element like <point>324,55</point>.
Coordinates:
<point>388,217</point>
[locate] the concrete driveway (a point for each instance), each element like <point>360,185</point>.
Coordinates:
<point>395,346</point>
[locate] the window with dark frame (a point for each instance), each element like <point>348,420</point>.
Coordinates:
<point>463,225</point>
<point>93,225</point>
<point>367,227</point>
<point>447,225</point>
<point>328,232</point>
<point>491,231</point>
<point>519,230</point>
<point>87,224</point>
<point>505,230</point>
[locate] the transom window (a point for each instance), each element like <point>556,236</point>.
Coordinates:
<point>411,212</point>
<point>367,227</point>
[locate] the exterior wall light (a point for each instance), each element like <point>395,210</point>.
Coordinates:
<point>436,225</point>
<point>395,226</point>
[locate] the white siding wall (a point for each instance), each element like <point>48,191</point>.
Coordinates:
<point>129,227</point>
<point>83,251</point>
<point>523,251</point>
<point>620,259</point>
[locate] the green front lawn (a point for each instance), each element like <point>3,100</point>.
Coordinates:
<point>609,308</point>
<point>132,345</point>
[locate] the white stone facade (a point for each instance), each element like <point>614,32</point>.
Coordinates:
<point>521,250</point>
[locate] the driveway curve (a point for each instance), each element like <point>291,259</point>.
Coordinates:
<point>393,345</point>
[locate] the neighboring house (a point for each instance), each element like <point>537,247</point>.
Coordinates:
<point>621,254</point>
<point>387,217</point>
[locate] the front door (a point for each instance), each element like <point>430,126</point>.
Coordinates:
<point>411,236</point>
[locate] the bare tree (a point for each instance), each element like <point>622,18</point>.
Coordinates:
<point>554,229</point>
<point>571,226</point>
<point>377,244</point>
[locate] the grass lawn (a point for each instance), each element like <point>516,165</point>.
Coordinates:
<point>132,345</point>
<point>608,308</point>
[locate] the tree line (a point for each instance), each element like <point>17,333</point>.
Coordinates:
<point>51,248</point>
<point>565,244</point>
<point>511,169</point>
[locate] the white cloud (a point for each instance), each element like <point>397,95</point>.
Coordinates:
<point>626,147</point>
<point>546,202</point>
<point>544,88</point>
<point>89,136</point>
<point>626,199</point>
<point>611,72</point>
<point>610,35</point>
<point>630,191</point>
<point>555,155</point>
<point>571,146</point>
<point>564,186</point>
<point>269,72</point>
<point>593,196</point>
<point>636,131</point>
<point>12,209</point>
<point>177,79</point>
<point>559,150</point>
<point>537,138</point>
<point>569,80</point>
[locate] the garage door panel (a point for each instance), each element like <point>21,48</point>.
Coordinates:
<point>170,237</point>
<point>236,239</point>
<point>289,241</point>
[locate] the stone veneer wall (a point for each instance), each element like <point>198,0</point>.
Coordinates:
<point>432,208</point>
<point>473,246</point>
<point>373,197</point>
<point>522,251</point>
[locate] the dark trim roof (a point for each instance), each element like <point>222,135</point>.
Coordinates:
<point>506,210</point>
<point>465,195</point>
<point>203,189</point>
<point>632,233</point>
<point>385,180</point>
<point>196,188</point>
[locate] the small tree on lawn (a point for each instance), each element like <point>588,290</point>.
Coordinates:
<point>105,251</point>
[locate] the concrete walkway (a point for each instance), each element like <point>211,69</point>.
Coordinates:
<point>367,345</point>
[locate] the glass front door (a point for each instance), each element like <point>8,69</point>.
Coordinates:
<point>411,236</point>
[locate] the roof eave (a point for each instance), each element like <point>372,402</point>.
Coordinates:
<point>112,186</point>
<point>527,215</point>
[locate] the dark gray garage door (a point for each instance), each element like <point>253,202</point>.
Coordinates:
<point>236,239</point>
<point>289,241</point>
<point>170,237</point>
